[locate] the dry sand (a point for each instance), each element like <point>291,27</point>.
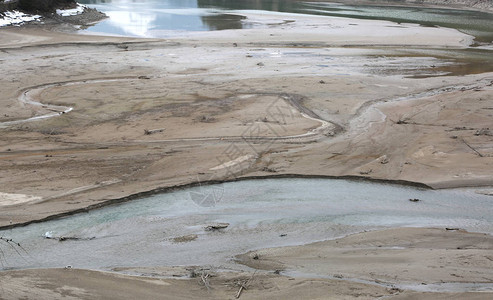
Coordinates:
<point>211,91</point>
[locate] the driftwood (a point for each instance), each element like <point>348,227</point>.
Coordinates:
<point>216,226</point>
<point>470,147</point>
<point>152,131</point>
<point>244,285</point>
<point>68,238</point>
<point>12,245</point>
<point>205,280</point>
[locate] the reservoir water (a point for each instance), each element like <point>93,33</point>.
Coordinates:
<point>169,18</point>
<point>260,213</point>
<point>156,18</point>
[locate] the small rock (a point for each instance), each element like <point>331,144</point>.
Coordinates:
<point>366,172</point>
<point>260,64</point>
<point>383,159</point>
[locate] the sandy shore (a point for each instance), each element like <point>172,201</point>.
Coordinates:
<point>396,264</point>
<point>275,88</point>
<point>323,96</point>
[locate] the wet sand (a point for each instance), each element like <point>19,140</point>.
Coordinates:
<point>396,264</point>
<point>214,94</point>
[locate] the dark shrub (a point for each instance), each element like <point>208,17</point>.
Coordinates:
<point>44,6</point>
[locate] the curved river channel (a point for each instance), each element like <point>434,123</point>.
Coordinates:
<point>260,213</point>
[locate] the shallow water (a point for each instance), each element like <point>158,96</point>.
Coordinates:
<point>478,24</point>
<point>261,213</point>
<point>153,18</point>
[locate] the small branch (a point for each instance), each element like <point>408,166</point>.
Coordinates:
<point>152,131</point>
<point>470,147</point>
<point>244,285</point>
<point>205,280</point>
<point>239,291</point>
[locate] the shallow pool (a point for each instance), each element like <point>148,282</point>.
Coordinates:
<point>261,213</point>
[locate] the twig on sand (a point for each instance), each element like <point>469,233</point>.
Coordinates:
<point>244,285</point>
<point>470,147</point>
<point>152,131</point>
<point>14,246</point>
<point>205,280</point>
<point>216,226</point>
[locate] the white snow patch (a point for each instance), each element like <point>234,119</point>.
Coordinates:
<point>16,18</point>
<point>71,12</point>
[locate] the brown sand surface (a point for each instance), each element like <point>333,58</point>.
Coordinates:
<point>212,99</point>
<point>226,105</point>
<point>384,262</point>
<point>405,255</point>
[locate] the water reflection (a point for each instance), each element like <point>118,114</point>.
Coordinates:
<point>151,18</point>
<point>223,21</point>
<point>269,5</point>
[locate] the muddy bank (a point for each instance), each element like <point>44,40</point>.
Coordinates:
<point>99,151</point>
<point>361,266</point>
<point>211,103</point>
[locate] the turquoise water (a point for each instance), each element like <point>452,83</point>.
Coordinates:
<point>261,213</point>
<point>153,18</point>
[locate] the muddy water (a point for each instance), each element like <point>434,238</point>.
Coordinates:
<point>261,213</point>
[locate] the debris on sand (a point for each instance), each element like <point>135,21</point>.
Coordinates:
<point>414,200</point>
<point>152,131</point>
<point>484,131</point>
<point>185,238</point>
<point>383,159</point>
<point>216,226</point>
<point>49,235</point>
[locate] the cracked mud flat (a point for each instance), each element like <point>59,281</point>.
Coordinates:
<point>206,92</point>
